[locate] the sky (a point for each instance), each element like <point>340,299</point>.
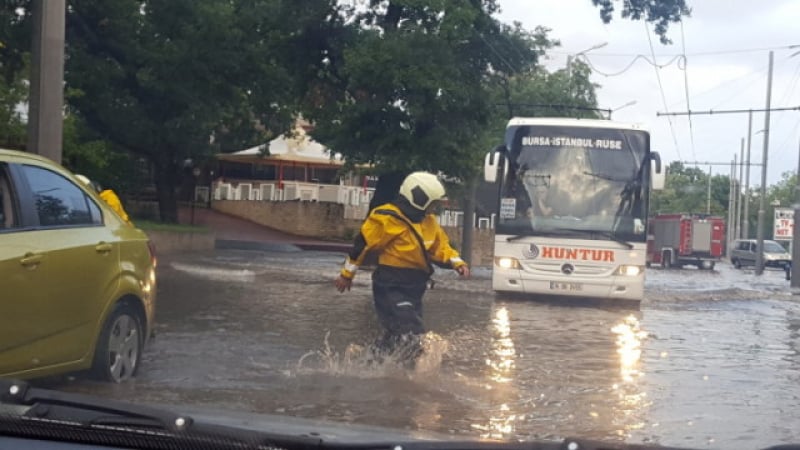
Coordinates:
<point>727,44</point>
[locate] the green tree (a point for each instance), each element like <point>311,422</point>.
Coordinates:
<point>401,83</point>
<point>177,80</point>
<point>686,191</point>
<point>779,195</point>
<point>85,153</point>
<point>659,12</point>
<point>408,89</point>
<point>540,93</point>
<point>13,96</point>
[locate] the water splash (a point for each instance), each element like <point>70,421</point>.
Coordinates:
<point>366,361</point>
<point>215,273</point>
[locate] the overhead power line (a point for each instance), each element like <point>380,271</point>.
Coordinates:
<point>661,88</point>
<point>586,59</point>
<point>707,163</point>
<point>725,111</point>
<point>706,53</point>
<point>686,88</point>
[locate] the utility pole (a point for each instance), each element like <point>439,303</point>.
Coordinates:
<point>795,283</point>
<point>708,194</point>
<point>730,207</point>
<point>734,194</point>
<point>739,193</point>
<point>762,199</point>
<point>747,178</point>
<point>45,110</point>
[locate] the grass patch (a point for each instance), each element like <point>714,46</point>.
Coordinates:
<point>148,225</point>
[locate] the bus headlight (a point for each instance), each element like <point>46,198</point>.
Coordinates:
<point>629,271</point>
<point>507,263</point>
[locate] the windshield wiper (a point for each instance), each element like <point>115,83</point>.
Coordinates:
<point>35,413</point>
<point>67,417</point>
<point>604,234</point>
<point>614,238</point>
<point>590,233</point>
<point>608,177</point>
<point>519,236</point>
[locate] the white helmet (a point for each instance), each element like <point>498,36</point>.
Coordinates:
<point>421,189</point>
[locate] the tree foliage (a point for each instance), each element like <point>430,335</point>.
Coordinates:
<point>403,84</point>
<point>410,87</point>
<point>659,12</point>
<point>687,191</point>
<point>13,94</point>
<point>175,80</point>
<point>100,160</point>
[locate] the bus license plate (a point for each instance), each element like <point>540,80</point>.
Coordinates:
<point>559,286</point>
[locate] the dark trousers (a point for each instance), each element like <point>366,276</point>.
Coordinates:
<point>397,294</point>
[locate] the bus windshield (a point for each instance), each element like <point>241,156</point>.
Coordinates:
<point>587,180</point>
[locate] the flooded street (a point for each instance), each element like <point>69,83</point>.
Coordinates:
<point>710,359</point>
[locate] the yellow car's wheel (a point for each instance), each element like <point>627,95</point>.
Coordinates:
<point>119,348</point>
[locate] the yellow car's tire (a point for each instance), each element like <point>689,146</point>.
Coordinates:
<point>119,347</point>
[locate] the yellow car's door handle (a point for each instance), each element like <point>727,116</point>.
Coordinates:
<point>103,247</point>
<point>31,260</point>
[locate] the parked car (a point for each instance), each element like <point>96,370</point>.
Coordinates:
<point>78,282</point>
<point>743,253</point>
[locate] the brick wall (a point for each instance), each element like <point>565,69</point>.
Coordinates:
<point>323,220</point>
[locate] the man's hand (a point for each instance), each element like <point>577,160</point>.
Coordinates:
<point>343,283</point>
<point>463,271</point>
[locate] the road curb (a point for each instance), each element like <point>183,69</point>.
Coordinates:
<point>229,244</point>
<point>284,247</point>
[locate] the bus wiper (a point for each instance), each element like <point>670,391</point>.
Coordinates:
<point>614,238</point>
<point>520,236</point>
<point>609,177</point>
<point>605,234</point>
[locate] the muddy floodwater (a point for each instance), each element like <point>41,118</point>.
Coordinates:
<point>709,359</point>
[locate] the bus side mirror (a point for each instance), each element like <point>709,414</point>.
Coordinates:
<point>492,163</point>
<point>658,174</point>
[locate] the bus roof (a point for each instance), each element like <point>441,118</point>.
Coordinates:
<point>569,122</point>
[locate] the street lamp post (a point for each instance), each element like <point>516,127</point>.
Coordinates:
<point>569,64</point>
<point>195,174</point>
<point>795,270</point>
<point>613,110</point>
<point>760,230</point>
<point>210,187</point>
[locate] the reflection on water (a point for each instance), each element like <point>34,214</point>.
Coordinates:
<point>632,399</point>
<point>503,352</point>
<point>715,364</point>
<point>501,364</point>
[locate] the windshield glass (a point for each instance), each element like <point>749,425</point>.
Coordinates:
<point>773,247</point>
<point>575,178</point>
<point>263,213</point>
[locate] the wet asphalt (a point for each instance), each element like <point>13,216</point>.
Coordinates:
<point>708,360</point>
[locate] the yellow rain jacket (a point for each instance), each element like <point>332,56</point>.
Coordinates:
<point>113,201</point>
<point>385,231</point>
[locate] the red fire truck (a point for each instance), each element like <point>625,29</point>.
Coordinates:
<point>677,240</point>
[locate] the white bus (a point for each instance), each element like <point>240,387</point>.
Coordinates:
<point>572,205</point>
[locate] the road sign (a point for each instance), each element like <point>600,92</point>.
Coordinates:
<point>784,224</point>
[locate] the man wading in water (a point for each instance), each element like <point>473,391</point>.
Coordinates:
<point>409,239</point>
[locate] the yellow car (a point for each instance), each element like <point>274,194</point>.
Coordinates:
<point>77,283</point>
